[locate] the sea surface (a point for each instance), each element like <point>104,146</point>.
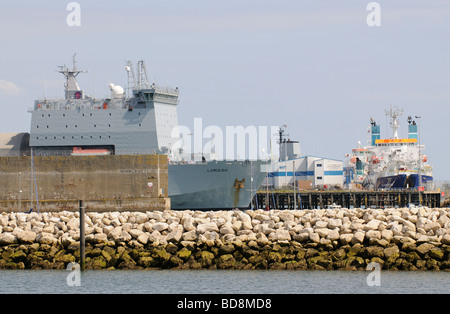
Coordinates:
<point>222,282</point>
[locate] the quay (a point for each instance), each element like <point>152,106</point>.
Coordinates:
<point>283,199</point>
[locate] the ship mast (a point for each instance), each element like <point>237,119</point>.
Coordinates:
<point>72,90</point>
<point>141,80</point>
<point>394,113</point>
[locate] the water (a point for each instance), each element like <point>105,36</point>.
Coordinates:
<point>222,282</point>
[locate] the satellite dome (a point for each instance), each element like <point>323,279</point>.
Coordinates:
<point>116,91</point>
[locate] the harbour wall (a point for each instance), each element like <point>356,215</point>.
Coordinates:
<point>123,182</point>
<point>325,239</point>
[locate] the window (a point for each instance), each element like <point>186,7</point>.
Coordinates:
<point>319,178</point>
<point>319,165</point>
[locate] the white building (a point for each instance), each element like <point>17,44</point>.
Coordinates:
<point>308,172</point>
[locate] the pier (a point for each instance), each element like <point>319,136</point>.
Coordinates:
<point>283,199</point>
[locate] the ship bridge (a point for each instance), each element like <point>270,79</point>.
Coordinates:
<point>396,142</point>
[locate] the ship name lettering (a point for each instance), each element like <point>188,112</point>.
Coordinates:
<point>217,170</point>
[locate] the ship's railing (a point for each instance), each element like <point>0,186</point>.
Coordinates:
<point>165,89</point>
<point>77,104</point>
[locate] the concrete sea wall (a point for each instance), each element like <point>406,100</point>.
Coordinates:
<point>327,239</point>
<point>124,182</point>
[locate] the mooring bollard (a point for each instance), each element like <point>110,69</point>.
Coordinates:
<point>82,237</point>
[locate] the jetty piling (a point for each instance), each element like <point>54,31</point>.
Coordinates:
<point>283,199</point>
<point>82,236</point>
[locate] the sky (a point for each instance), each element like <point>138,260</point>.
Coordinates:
<point>316,66</point>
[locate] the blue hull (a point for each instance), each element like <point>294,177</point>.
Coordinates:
<point>392,182</point>
<point>402,181</point>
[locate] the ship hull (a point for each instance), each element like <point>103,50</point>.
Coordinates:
<point>391,182</point>
<point>413,180</point>
<point>402,181</point>
<point>214,185</point>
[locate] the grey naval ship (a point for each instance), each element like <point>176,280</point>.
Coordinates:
<point>139,123</point>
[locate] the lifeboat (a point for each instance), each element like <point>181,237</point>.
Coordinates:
<point>78,151</point>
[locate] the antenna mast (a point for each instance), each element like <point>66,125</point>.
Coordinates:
<point>394,113</point>
<point>142,75</point>
<point>282,139</point>
<point>72,89</point>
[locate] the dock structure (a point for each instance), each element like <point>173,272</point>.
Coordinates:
<point>283,199</point>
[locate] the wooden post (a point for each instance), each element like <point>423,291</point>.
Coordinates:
<point>82,237</point>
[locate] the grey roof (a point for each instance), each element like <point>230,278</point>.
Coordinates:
<point>13,144</point>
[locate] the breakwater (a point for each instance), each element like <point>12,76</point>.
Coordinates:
<point>326,239</point>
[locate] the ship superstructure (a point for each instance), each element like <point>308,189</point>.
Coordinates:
<point>142,123</point>
<point>390,163</point>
